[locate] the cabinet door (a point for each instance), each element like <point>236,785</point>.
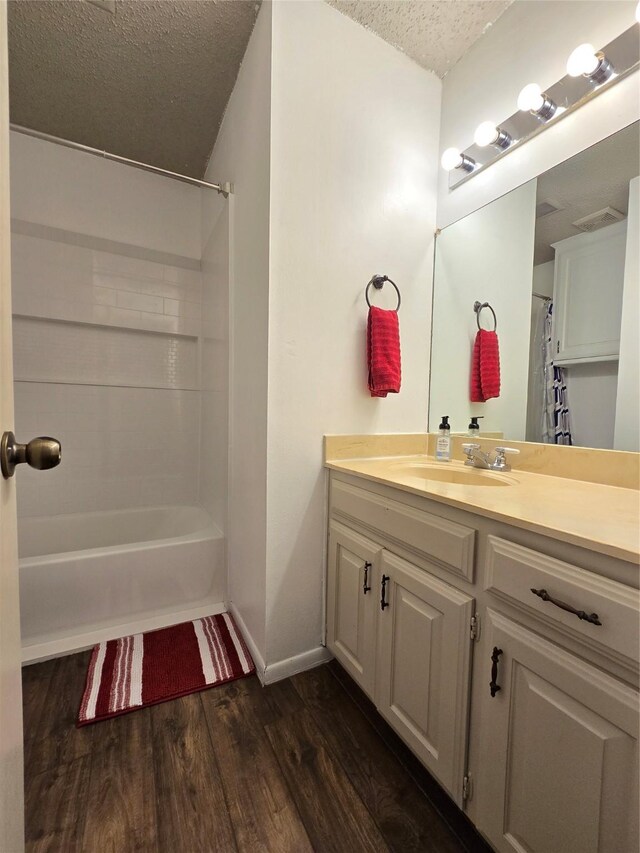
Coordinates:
<point>422,668</point>
<point>351,606</point>
<point>589,277</point>
<point>557,749</point>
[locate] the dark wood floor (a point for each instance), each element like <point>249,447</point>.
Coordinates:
<point>302,765</point>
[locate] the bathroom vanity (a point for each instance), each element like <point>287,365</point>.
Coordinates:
<point>498,635</point>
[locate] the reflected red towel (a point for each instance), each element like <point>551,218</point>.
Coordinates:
<point>485,367</point>
<point>383,352</point>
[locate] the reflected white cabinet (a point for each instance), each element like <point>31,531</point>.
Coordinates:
<point>588,284</point>
<point>423,666</point>
<point>557,768</point>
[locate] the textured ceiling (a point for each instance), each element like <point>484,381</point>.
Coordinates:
<point>434,33</point>
<point>150,82</point>
<point>596,178</point>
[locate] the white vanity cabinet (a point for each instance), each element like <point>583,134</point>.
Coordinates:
<point>479,643</point>
<point>405,635</point>
<point>351,602</point>
<point>557,749</point>
<point>554,734</point>
<point>423,666</point>
<point>588,285</point>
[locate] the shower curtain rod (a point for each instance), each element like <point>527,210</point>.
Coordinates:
<point>224,189</point>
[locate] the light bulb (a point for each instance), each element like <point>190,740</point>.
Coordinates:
<point>486,134</point>
<point>530,98</point>
<point>451,159</point>
<point>583,60</point>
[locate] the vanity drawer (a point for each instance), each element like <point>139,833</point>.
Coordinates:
<point>512,572</point>
<point>445,542</point>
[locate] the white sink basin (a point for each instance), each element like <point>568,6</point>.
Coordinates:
<point>459,476</point>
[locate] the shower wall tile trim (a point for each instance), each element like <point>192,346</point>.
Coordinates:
<point>49,352</point>
<point>88,241</point>
<point>60,281</point>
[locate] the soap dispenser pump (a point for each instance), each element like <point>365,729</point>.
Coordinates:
<point>443,442</point>
<point>474,426</point>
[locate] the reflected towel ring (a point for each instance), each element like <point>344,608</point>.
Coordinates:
<point>477,307</point>
<point>377,281</point>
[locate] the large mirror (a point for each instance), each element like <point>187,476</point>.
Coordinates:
<point>557,262</point>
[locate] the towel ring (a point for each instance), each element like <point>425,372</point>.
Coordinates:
<point>377,281</point>
<point>477,307</point>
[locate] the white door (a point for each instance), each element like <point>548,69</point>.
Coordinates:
<point>351,604</point>
<point>11,781</point>
<point>557,749</point>
<point>587,291</point>
<point>423,666</point>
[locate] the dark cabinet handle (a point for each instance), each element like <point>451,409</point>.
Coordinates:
<point>581,614</point>
<point>493,685</point>
<point>365,585</point>
<point>384,603</point>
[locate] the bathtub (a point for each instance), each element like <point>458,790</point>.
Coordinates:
<point>94,576</point>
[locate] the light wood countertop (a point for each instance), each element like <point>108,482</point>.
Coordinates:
<point>601,518</point>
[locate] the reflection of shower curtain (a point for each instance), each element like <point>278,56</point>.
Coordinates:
<point>535,392</point>
<point>556,426</point>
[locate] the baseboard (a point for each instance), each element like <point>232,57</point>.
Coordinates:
<point>270,673</point>
<point>299,663</point>
<point>44,648</point>
<point>255,654</point>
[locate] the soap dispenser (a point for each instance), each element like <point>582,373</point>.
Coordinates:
<point>443,442</point>
<point>474,426</point>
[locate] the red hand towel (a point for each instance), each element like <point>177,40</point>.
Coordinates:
<point>485,367</point>
<point>383,352</point>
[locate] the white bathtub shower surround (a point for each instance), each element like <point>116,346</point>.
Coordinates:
<point>120,352</point>
<point>89,577</point>
<point>106,359</point>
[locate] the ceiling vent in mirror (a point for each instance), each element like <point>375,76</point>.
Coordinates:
<point>107,5</point>
<point>547,207</point>
<point>599,219</point>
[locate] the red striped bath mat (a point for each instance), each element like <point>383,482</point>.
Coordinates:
<point>145,669</point>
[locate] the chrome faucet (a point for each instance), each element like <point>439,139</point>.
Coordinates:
<point>478,458</point>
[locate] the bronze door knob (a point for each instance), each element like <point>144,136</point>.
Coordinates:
<point>41,453</point>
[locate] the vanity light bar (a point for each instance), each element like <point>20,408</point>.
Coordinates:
<point>589,72</point>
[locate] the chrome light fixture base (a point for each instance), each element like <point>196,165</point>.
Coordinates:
<point>547,110</point>
<point>617,60</point>
<point>603,71</point>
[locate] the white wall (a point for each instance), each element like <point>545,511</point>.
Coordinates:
<point>591,390</point>
<point>353,176</point>
<point>214,355</point>
<point>530,43</point>
<point>543,275</point>
<point>627,427</point>
<point>107,305</point>
<point>487,256</point>
<point>82,193</point>
<point>241,155</point>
